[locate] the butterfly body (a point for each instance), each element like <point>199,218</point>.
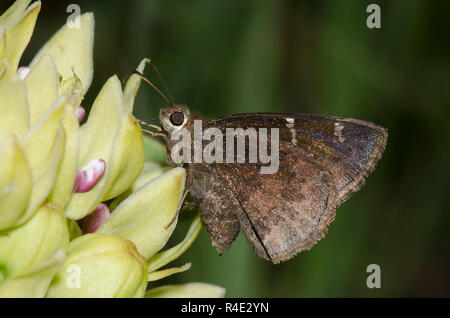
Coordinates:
<point>322,160</point>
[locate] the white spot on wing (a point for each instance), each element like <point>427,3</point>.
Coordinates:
<point>338,131</point>
<point>290,125</point>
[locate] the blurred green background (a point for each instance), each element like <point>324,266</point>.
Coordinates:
<point>224,57</point>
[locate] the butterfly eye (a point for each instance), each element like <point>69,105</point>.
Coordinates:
<point>177,118</point>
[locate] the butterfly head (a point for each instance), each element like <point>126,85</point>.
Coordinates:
<point>174,118</point>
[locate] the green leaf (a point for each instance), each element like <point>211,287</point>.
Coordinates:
<point>150,166</point>
<point>154,150</point>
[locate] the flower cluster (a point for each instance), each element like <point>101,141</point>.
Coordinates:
<point>60,179</point>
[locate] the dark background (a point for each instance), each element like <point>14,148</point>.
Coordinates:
<point>224,57</point>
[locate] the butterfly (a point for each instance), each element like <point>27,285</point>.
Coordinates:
<point>322,161</point>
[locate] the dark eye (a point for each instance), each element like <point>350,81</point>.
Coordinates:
<point>177,118</point>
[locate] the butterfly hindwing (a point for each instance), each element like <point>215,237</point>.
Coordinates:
<point>288,211</point>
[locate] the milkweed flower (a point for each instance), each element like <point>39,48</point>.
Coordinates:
<point>56,174</point>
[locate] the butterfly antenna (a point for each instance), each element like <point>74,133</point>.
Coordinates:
<point>149,82</point>
<point>162,81</point>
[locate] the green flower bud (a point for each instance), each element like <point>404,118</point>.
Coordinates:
<point>100,265</point>
<point>67,171</point>
<point>118,141</point>
<point>42,87</point>
<point>15,183</point>
<point>149,215</point>
<point>71,49</point>
<point>17,37</point>
<point>132,86</point>
<point>14,12</point>
<point>151,171</point>
<point>168,255</point>
<point>191,290</point>
<point>14,114</point>
<point>128,157</point>
<point>53,168</point>
<point>33,282</point>
<point>35,241</point>
<point>44,146</point>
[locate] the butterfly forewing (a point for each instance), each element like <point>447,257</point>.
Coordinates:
<point>347,147</point>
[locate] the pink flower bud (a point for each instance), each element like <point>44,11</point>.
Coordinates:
<point>22,72</point>
<point>89,175</point>
<point>93,220</point>
<point>80,112</point>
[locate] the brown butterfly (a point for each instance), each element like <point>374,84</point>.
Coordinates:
<point>322,161</point>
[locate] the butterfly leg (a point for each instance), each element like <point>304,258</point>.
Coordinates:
<point>190,206</point>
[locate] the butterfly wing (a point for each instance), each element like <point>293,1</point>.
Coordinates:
<point>322,160</point>
<point>349,148</point>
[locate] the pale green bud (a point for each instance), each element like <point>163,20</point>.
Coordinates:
<point>118,141</point>
<point>71,49</point>
<point>149,215</point>
<point>35,241</point>
<point>151,171</point>
<point>42,87</point>
<point>44,146</point>
<point>14,12</point>
<point>15,183</point>
<point>191,290</point>
<point>132,86</point>
<point>67,171</point>
<point>100,265</point>
<point>32,283</point>
<point>18,35</point>
<point>163,258</point>
<point>14,113</point>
